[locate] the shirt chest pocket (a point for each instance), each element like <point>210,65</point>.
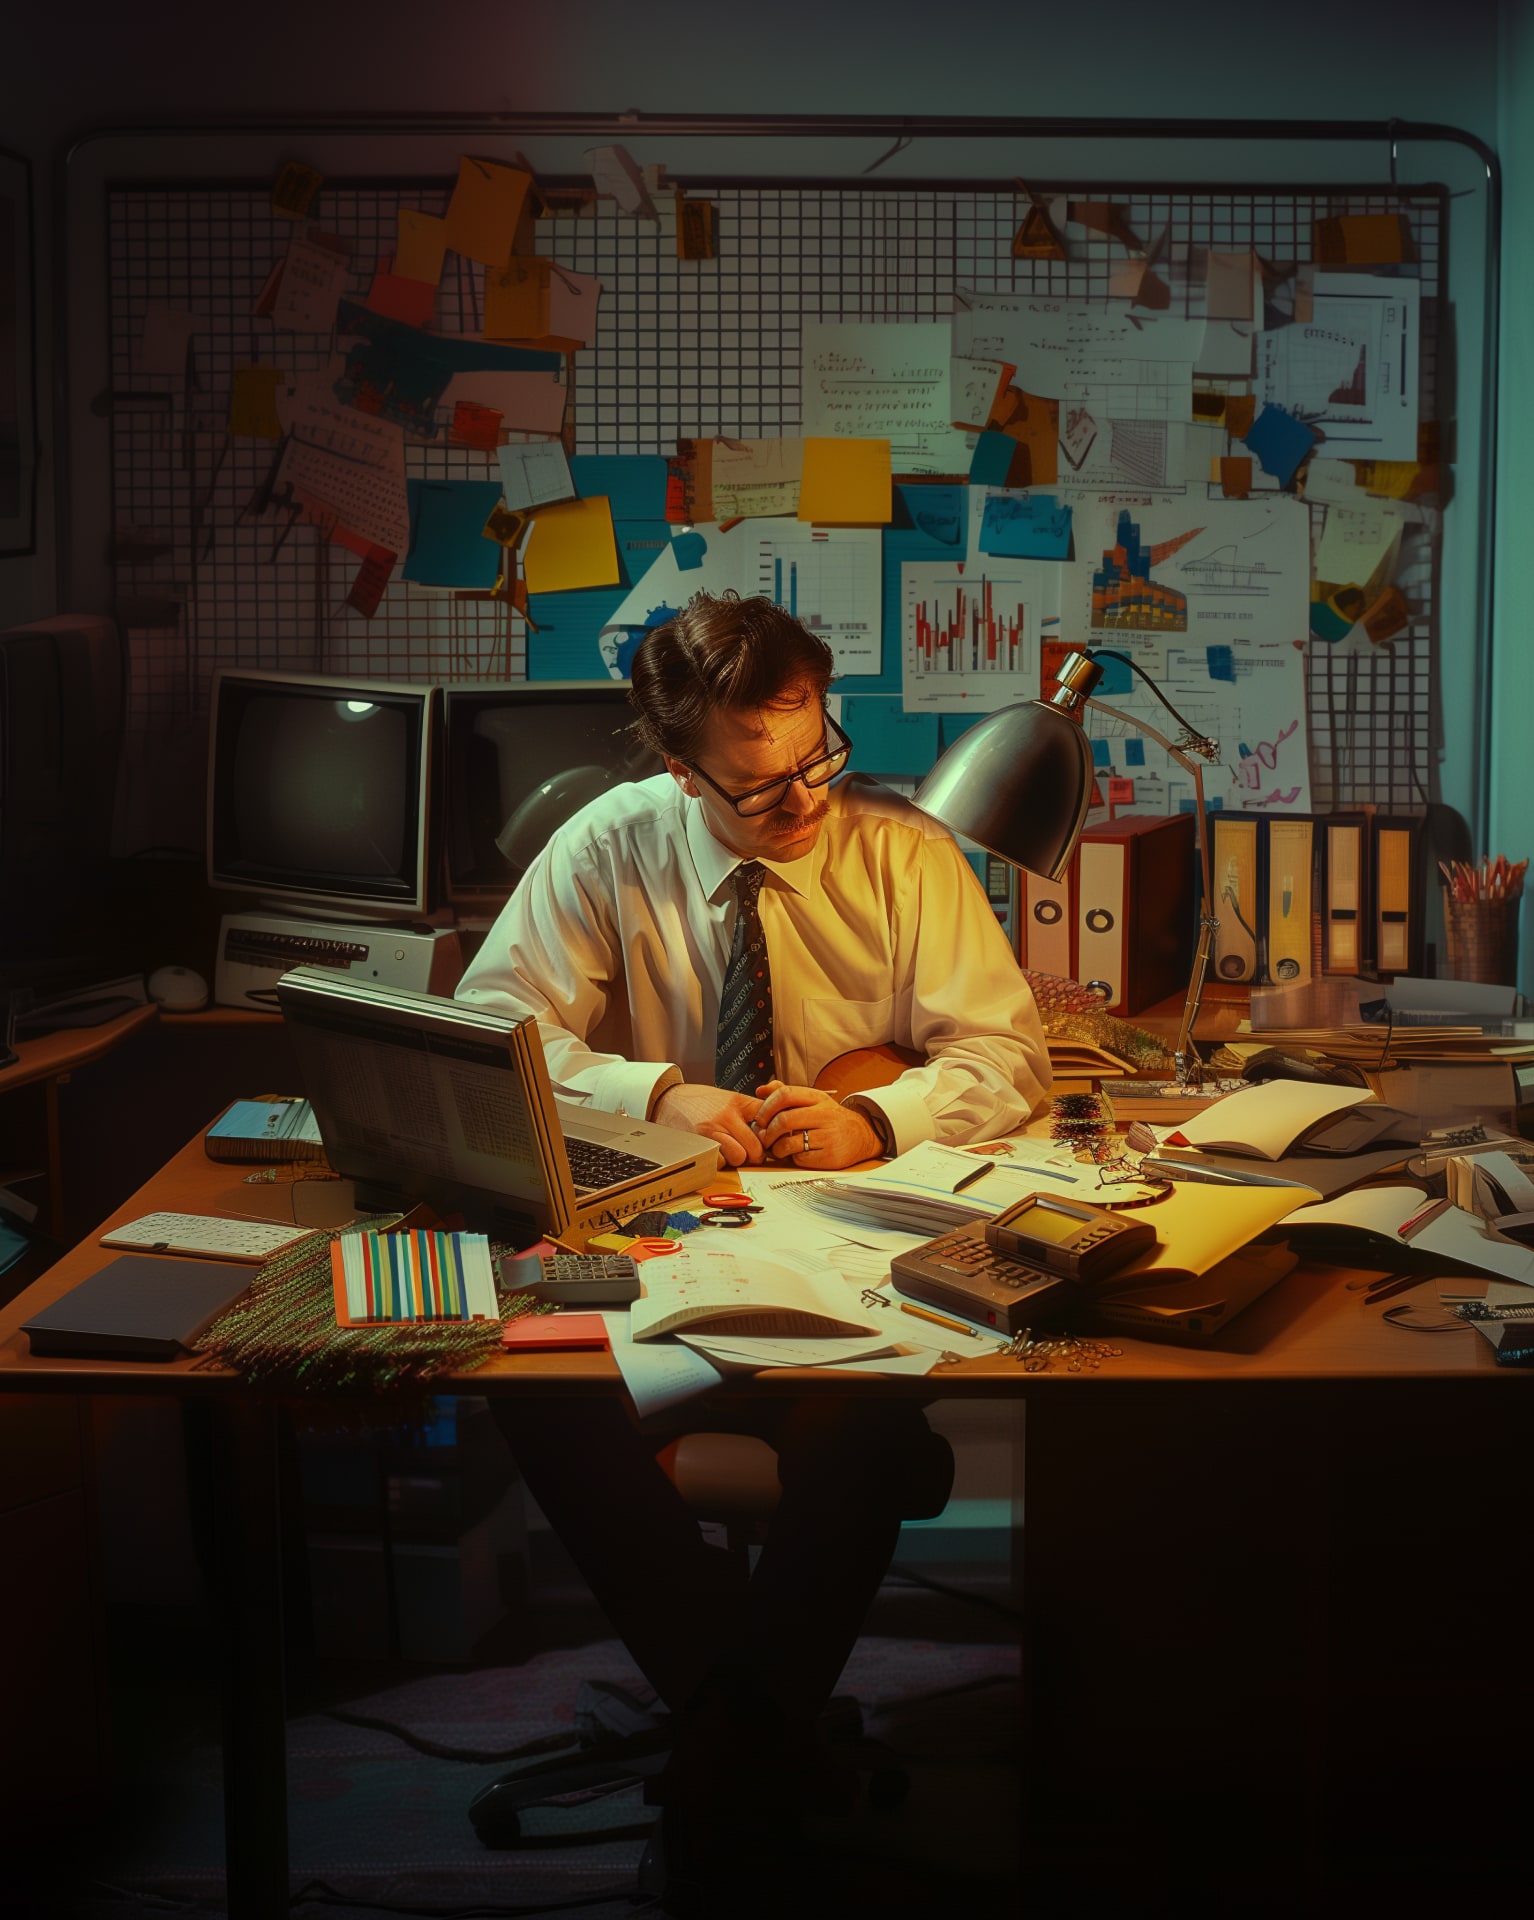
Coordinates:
<point>835,1026</point>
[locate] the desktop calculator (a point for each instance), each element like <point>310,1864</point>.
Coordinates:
<point>586,1279</point>
<point>204,1233</point>
<point>959,1273</point>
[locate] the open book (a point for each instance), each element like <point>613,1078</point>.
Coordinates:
<point>1274,1117</point>
<point>1366,1225</point>
<point>746,1297</point>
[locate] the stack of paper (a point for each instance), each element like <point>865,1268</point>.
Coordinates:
<point>933,1188</point>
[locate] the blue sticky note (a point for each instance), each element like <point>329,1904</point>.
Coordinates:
<point>1280,443</point>
<point>1222,663</point>
<point>992,460</point>
<point>689,549</point>
<point>448,547</point>
<point>1026,527</point>
<point>887,739</point>
<point>1134,753</point>
<point>635,483</point>
<point>1102,753</point>
<point>565,646</point>
<point>1118,676</point>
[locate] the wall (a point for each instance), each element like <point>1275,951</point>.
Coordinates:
<point>90,65</point>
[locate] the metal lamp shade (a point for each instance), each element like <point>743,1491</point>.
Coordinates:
<point>1019,783</point>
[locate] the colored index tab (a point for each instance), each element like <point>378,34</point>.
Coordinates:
<point>846,483</point>
<point>486,206</point>
<point>1026,527</point>
<point>253,403</point>
<point>421,247</point>
<point>571,545</point>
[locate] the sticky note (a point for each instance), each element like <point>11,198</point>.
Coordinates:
<point>412,301</point>
<point>1026,527</point>
<point>635,483</point>
<point>421,246</point>
<point>294,189</point>
<point>367,590</point>
<point>689,549</point>
<point>474,426</point>
<point>253,403</point>
<point>447,543</point>
<point>517,300</point>
<point>1102,753</point>
<point>1280,443</point>
<point>1117,676</point>
<point>1362,240</point>
<point>992,461</point>
<point>846,483</point>
<point>1235,476</point>
<point>575,627</point>
<point>1221,662</point>
<point>694,228</point>
<point>887,739</point>
<point>571,545</point>
<point>1240,411</point>
<point>1134,752</point>
<point>486,206</point>
<point>1121,792</point>
<point>1328,622</point>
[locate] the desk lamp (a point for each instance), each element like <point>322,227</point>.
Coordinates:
<point>1019,783</point>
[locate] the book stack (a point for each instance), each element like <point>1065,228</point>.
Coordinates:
<point>253,1131</point>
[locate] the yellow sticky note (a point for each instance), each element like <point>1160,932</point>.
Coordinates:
<point>517,301</point>
<point>421,245</point>
<point>253,402</point>
<point>846,483</point>
<point>571,545</point>
<point>486,205</point>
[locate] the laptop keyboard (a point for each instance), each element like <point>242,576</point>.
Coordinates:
<point>593,1167</point>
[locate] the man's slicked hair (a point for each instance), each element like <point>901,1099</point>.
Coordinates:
<point>721,651</point>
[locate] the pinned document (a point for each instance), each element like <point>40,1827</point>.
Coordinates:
<point>421,247</point>
<point>535,473</point>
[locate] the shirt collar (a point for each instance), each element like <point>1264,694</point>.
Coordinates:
<point>714,862</point>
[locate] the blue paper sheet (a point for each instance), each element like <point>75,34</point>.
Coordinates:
<point>1134,752</point>
<point>565,645</point>
<point>400,373</point>
<point>1033,526</point>
<point>1280,443</point>
<point>992,460</point>
<point>887,739</point>
<point>634,483</point>
<point>448,547</point>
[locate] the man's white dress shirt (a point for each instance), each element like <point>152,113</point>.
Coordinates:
<point>617,939</point>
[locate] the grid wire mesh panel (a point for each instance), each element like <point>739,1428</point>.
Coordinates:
<point>683,349</point>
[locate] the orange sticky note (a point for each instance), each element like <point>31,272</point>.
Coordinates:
<point>294,189</point>
<point>1236,477</point>
<point>1240,411</point>
<point>517,301</point>
<point>1362,240</point>
<point>421,247</point>
<point>412,301</point>
<point>846,483</point>
<point>571,545</point>
<point>486,206</point>
<point>253,403</point>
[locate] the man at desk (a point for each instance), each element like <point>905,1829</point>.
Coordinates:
<point>695,948</point>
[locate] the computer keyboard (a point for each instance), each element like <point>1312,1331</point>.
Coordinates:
<point>203,1233</point>
<point>593,1167</point>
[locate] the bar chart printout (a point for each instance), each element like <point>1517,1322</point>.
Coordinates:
<point>829,578</point>
<point>971,635</point>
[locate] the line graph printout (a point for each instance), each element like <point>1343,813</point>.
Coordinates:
<point>1252,703</point>
<point>828,577</point>
<point>1120,366</point>
<point>971,632</point>
<point>1215,573</point>
<point>1351,371</point>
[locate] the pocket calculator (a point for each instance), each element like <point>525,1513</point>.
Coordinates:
<point>576,1279</point>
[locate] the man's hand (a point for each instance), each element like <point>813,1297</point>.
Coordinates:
<point>812,1129</point>
<point>724,1118</point>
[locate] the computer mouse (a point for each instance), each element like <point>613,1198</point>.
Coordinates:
<point>1274,1063</point>
<point>178,989</point>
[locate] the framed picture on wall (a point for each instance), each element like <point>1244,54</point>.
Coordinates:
<point>18,374</point>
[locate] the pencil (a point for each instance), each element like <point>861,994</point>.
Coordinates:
<point>937,1319</point>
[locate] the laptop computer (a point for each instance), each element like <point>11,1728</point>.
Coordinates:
<point>421,1098</point>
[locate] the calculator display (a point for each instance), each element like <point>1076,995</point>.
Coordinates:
<point>1077,1241</point>
<point>1049,1223</point>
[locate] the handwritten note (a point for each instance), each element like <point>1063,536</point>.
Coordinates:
<point>313,280</point>
<point>883,380</point>
<point>753,479</point>
<point>353,463</point>
<point>486,207</point>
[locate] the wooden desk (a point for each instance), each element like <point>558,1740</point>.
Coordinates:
<point>50,1060</point>
<point>1241,1564</point>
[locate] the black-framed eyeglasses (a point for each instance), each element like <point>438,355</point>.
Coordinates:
<point>814,773</point>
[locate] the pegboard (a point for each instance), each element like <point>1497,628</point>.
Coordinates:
<point>683,349</point>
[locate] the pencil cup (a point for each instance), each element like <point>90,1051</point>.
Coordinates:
<point>1482,937</point>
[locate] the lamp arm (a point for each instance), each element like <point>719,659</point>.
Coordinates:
<point>1190,1069</point>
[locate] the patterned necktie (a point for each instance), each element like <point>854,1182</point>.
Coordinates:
<point>743,1051</point>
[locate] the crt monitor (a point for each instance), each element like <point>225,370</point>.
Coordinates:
<point>319,793</point>
<point>520,760</point>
